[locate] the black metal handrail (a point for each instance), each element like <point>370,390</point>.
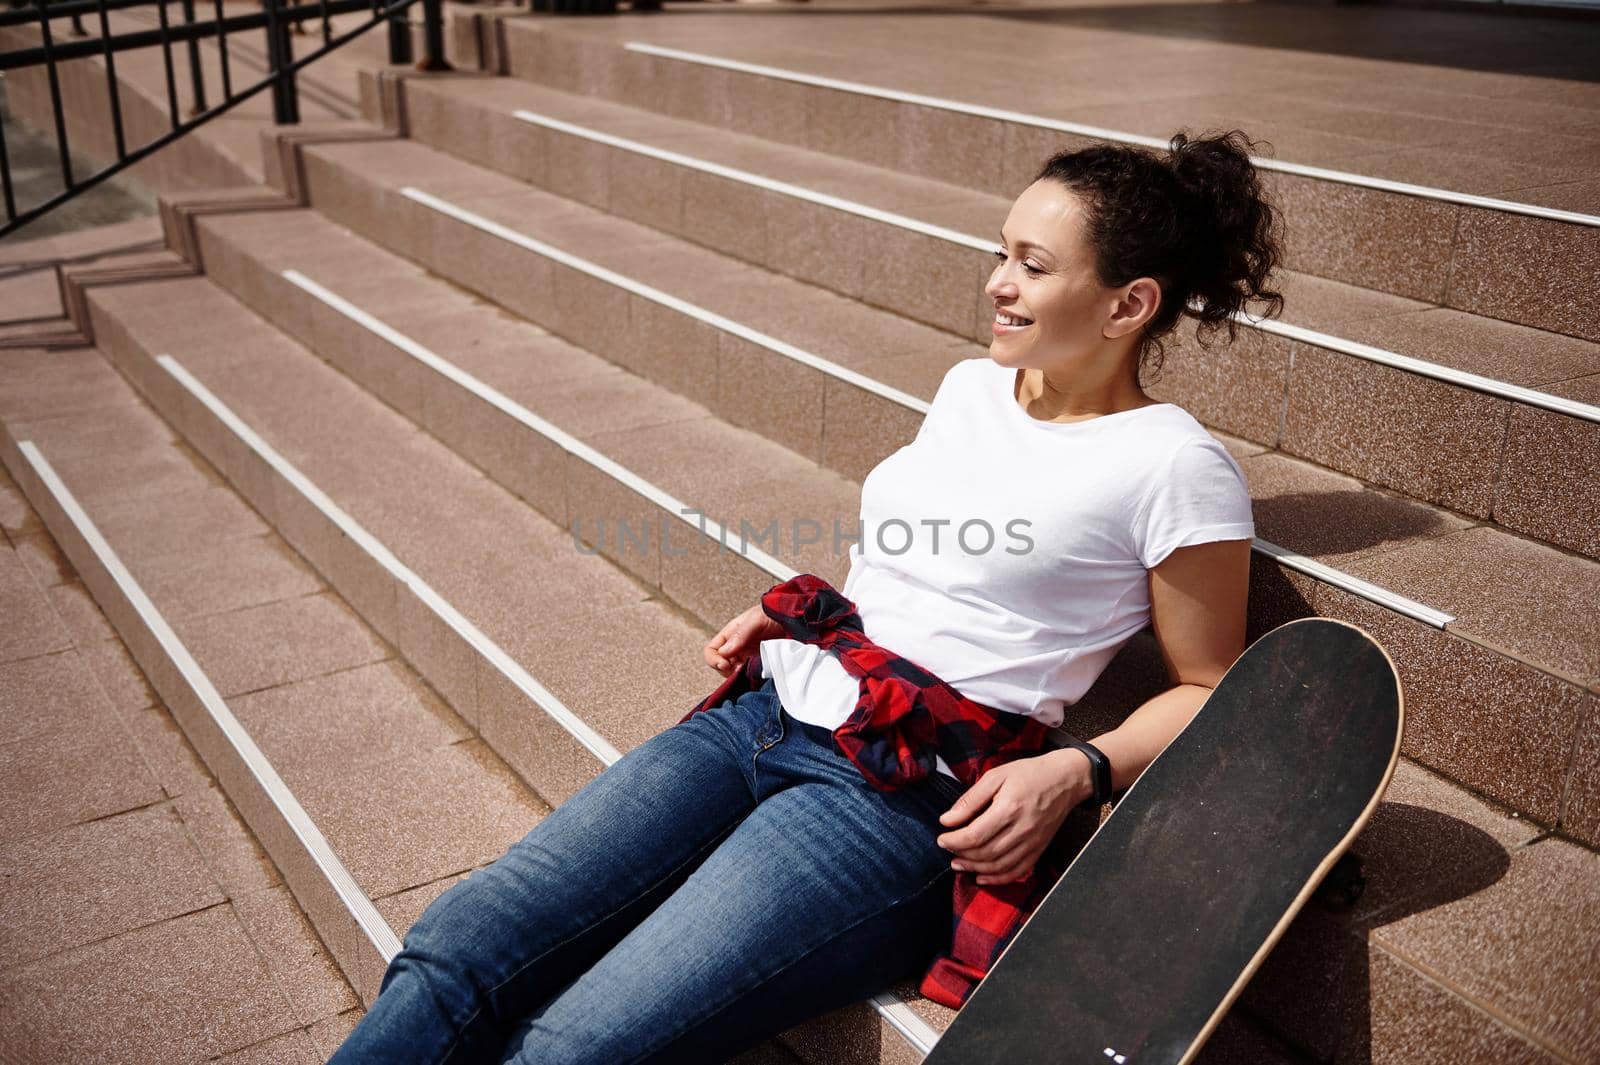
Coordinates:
<point>275,18</point>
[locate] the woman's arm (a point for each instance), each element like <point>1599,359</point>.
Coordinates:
<point>1197,609</point>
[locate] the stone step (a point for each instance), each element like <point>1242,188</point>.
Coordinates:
<point>121,858</point>
<point>952,121</point>
<point>1443,405</point>
<point>581,601</point>
<point>378,466</point>
<point>240,638</point>
<point>354,737</point>
<point>1308,510</point>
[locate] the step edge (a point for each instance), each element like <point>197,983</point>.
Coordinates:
<point>890,1007</point>
<point>1520,394</point>
<point>375,943</point>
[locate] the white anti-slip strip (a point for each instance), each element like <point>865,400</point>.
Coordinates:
<point>543,697</point>
<point>916,1031</point>
<point>1355,585</point>
<point>1476,382</point>
<point>571,444</point>
<point>898,1014</point>
<point>360,908</point>
<point>748,178</point>
<point>1572,408</point>
<point>1324,573</point>
<point>1098,133</point>
<point>655,295</point>
<point>903,1019</point>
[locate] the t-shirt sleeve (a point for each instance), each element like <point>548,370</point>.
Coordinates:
<point>1202,497</point>
<point>942,396</point>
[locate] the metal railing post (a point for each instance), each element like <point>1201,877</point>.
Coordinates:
<point>55,95</point>
<point>112,89</point>
<point>433,36</point>
<point>274,17</point>
<point>5,177</point>
<point>166,58</point>
<point>399,37</point>
<point>285,105</point>
<point>197,82</point>
<point>222,52</point>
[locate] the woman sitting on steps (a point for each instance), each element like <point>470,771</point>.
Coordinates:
<point>796,842</point>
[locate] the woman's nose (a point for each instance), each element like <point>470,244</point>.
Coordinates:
<point>1000,285</point>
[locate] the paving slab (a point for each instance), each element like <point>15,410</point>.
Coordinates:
<point>1490,722</point>
<point>293,1048</point>
<point>1337,92</point>
<point>41,557</point>
<point>119,675</point>
<point>403,908</point>
<point>1528,599</point>
<point>75,606</point>
<point>329,1034</point>
<point>234,857</point>
<point>448,810</point>
<point>1517,944</point>
<point>181,990</point>
<point>80,770</point>
<point>147,527</point>
<point>96,880</point>
<point>1334,518</point>
<point>1420,1020</point>
<point>166,751</point>
<point>275,643</point>
<point>46,693</point>
<point>223,577</point>
<point>384,712</point>
<point>294,955</point>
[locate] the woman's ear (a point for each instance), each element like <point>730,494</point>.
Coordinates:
<point>1138,304</point>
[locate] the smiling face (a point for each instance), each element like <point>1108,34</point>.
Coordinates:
<point>1051,312</point>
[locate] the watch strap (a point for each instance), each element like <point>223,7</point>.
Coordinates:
<point>1100,770</point>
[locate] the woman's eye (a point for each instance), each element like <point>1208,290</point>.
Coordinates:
<point>1032,269</point>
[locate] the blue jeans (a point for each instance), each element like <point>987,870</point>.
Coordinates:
<point>725,880</point>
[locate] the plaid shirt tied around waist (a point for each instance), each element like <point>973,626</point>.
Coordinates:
<point>905,715</point>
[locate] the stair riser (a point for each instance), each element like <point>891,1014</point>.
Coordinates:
<point>1457,717</point>
<point>758,389</point>
<point>509,722</point>
<point>546,756</point>
<point>352,950</point>
<point>1484,261</point>
<point>1430,440</point>
<point>565,489</point>
<point>851,255</point>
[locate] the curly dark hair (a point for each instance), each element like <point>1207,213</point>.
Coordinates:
<point>1194,219</point>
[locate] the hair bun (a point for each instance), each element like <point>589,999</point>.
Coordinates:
<point>1195,219</point>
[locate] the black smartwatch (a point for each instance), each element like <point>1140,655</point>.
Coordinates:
<point>1100,766</point>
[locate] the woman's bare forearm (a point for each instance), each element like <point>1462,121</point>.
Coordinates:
<point>1134,744</point>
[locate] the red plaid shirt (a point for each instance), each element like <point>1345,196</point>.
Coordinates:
<point>904,715</point>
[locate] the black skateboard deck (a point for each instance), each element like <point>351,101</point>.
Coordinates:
<point>1139,949</point>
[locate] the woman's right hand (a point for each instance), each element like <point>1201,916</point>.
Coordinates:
<point>739,639</point>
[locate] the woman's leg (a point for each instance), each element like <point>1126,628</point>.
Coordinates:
<point>824,895</point>
<point>496,945</point>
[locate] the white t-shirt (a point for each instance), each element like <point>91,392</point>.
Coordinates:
<point>1010,556</point>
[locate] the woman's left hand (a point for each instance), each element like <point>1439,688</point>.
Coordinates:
<point>1022,804</point>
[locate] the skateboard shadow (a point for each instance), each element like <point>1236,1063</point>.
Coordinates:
<point>1316,988</point>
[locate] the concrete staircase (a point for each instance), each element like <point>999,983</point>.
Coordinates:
<point>448,356</point>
